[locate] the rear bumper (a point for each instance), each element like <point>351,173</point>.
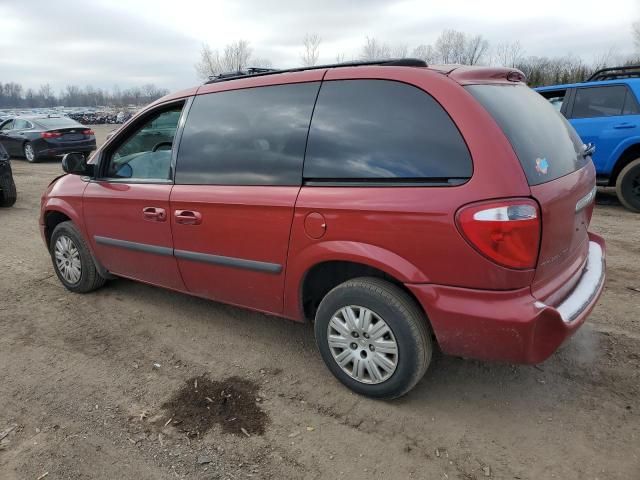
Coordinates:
<point>511,326</point>
<point>45,149</point>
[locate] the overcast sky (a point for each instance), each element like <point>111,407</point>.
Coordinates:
<point>105,43</point>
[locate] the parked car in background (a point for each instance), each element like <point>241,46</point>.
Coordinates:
<point>7,185</point>
<point>364,197</point>
<point>39,137</point>
<point>605,111</point>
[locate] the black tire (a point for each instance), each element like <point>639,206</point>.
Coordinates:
<point>8,192</point>
<point>89,279</point>
<point>402,315</point>
<point>628,186</point>
<point>31,158</point>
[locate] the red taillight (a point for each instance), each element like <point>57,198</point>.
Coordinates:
<point>507,231</point>
<point>88,132</point>
<point>50,135</point>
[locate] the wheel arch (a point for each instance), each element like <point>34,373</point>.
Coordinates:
<point>321,267</point>
<point>628,154</point>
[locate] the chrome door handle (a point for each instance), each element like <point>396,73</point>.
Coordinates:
<point>188,217</point>
<point>154,213</point>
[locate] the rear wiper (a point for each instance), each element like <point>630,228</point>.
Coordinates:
<point>588,149</point>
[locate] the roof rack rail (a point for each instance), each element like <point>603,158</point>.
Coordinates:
<point>258,72</point>
<point>614,73</point>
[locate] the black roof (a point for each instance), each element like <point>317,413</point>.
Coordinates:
<point>258,72</point>
<point>614,73</point>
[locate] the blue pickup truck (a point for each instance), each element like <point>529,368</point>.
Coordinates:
<point>605,111</point>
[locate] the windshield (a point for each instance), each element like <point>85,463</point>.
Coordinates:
<point>546,144</point>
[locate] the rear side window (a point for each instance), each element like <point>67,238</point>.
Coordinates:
<point>630,105</point>
<point>599,101</point>
<point>546,144</point>
<point>373,130</point>
<point>254,136</point>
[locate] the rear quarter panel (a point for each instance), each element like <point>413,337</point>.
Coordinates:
<point>410,232</point>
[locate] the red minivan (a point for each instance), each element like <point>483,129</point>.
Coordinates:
<point>396,205</point>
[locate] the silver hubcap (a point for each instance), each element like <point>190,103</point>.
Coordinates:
<point>68,259</point>
<point>28,152</point>
<point>362,344</point>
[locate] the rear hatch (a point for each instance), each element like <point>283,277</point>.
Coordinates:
<point>560,176</point>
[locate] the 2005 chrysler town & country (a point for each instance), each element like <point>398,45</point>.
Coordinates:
<point>395,205</point>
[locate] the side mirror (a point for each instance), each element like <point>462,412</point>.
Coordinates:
<point>76,164</point>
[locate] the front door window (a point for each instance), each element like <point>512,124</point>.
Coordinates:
<point>146,153</point>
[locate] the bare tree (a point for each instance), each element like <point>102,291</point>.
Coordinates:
<point>475,48</point>
<point>635,27</point>
<point>340,58</point>
<point>235,57</point>
<point>508,54</point>
<point>209,63</point>
<point>400,51</point>
<point>261,62</point>
<point>426,53</point>
<point>311,49</point>
<point>608,58</point>
<point>450,46</point>
<point>374,50</point>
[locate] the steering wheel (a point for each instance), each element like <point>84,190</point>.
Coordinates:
<point>161,144</point>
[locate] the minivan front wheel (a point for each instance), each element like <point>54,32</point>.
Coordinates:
<point>72,260</point>
<point>373,337</point>
<point>628,186</point>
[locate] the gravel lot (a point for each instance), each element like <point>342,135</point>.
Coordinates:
<point>120,384</point>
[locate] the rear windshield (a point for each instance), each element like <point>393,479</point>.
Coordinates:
<point>546,144</point>
<point>57,122</point>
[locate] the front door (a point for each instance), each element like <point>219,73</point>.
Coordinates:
<point>126,209</point>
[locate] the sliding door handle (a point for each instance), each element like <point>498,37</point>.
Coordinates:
<point>188,217</point>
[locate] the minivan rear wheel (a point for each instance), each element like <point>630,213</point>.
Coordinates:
<point>72,260</point>
<point>628,186</point>
<point>373,337</point>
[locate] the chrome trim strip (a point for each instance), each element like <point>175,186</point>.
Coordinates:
<point>586,200</point>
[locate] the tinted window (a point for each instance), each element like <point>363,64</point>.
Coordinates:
<point>598,102</point>
<point>254,136</point>
<point>630,105</point>
<point>58,122</point>
<point>145,153</point>
<point>546,145</point>
<point>378,129</point>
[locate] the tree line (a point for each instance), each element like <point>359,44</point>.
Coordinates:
<point>13,95</point>
<point>451,46</point>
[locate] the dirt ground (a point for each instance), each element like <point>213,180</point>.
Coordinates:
<point>120,383</point>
